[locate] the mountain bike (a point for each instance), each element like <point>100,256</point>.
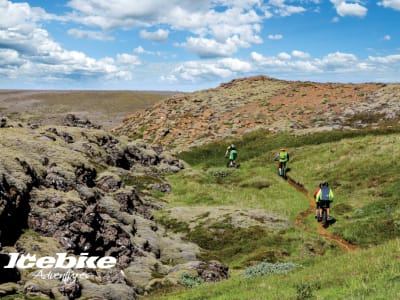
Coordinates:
<point>324,217</point>
<point>232,164</point>
<point>282,169</point>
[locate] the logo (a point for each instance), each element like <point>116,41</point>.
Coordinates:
<point>62,261</point>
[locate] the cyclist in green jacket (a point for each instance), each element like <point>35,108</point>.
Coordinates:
<point>231,152</point>
<point>283,158</point>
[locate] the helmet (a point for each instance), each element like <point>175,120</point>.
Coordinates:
<point>325,184</point>
<point>232,146</point>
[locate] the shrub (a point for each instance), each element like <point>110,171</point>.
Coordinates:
<point>189,280</point>
<point>266,268</point>
<point>305,290</point>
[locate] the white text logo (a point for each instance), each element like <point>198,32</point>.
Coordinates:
<point>62,261</point>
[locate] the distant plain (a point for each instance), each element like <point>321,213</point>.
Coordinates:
<point>105,108</point>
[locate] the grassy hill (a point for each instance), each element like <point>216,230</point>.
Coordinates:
<point>361,167</point>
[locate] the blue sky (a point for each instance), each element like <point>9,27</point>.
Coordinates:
<point>190,45</point>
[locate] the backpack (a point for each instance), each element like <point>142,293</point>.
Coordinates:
<point>325,191</point>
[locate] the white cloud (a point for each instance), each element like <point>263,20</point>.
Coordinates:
<point>387,38</point>
<point>235,65</point>
<point>199,70</point>
<point>275,36</point>
<point>235,26</point>
<point>139,50</point>
<point>88,34</point>
<point>156,36</point>
<point>333,62</point>
<point>284,10</point>
<point>386,60</point>
<point>127,59</point>
<point>338,60</point>
<point>300,54</point>
<point>345,9</point>
<point>29,51</point>
<point>207,48</point>
<point>395,4</point>
<point>284,56</point>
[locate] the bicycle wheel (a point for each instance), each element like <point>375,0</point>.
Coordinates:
<point>324,218</point>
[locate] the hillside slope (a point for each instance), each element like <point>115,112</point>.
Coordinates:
<point>247,104</point>
<point>211,200</point>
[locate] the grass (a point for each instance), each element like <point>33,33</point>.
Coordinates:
<point>361,167</point>
<point>261,142</point>
<point>366,274</point>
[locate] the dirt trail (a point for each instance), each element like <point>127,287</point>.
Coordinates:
<point>321,230</point>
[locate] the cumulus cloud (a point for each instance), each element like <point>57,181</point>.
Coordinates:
<point>386,60</point>
<point>284,56</point>
<point>281,8</point>
<point>88,34</point>
<point>128,59</point>
<point>300,54</point>
<point>29,51</point>
<point>275,36</point>
<point>159,35</point>
<point>345,9</point>
<point>300,61</point>
<point>387,38</point>
<point>208,48</point>
<point>199,70</point>
<point>394,4</point>
<point>232,25</point>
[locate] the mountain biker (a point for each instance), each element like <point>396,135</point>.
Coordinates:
<point>283,157</point>
<point>325,194</point>
<point>317,215</point>
<point>231,152</point>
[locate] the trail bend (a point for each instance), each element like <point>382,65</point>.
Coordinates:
<point>321,230</point>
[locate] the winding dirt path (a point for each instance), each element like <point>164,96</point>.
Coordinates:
<point>321,230</point>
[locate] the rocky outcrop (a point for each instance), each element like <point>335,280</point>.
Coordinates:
<point>74,121</point>
<point>82,190</point>
<point>248,104</point>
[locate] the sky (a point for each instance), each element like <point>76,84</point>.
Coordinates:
<point>190,45</point>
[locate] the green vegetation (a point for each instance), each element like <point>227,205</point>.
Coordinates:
<point>366,274</point>
<point>259,143</point>
<point>189,280</point>
<point>266,268</point>
<point>361,167</point>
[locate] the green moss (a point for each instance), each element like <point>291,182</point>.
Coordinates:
<point>172,224</point>
<point>139,181</point>
<point>237,246</point>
